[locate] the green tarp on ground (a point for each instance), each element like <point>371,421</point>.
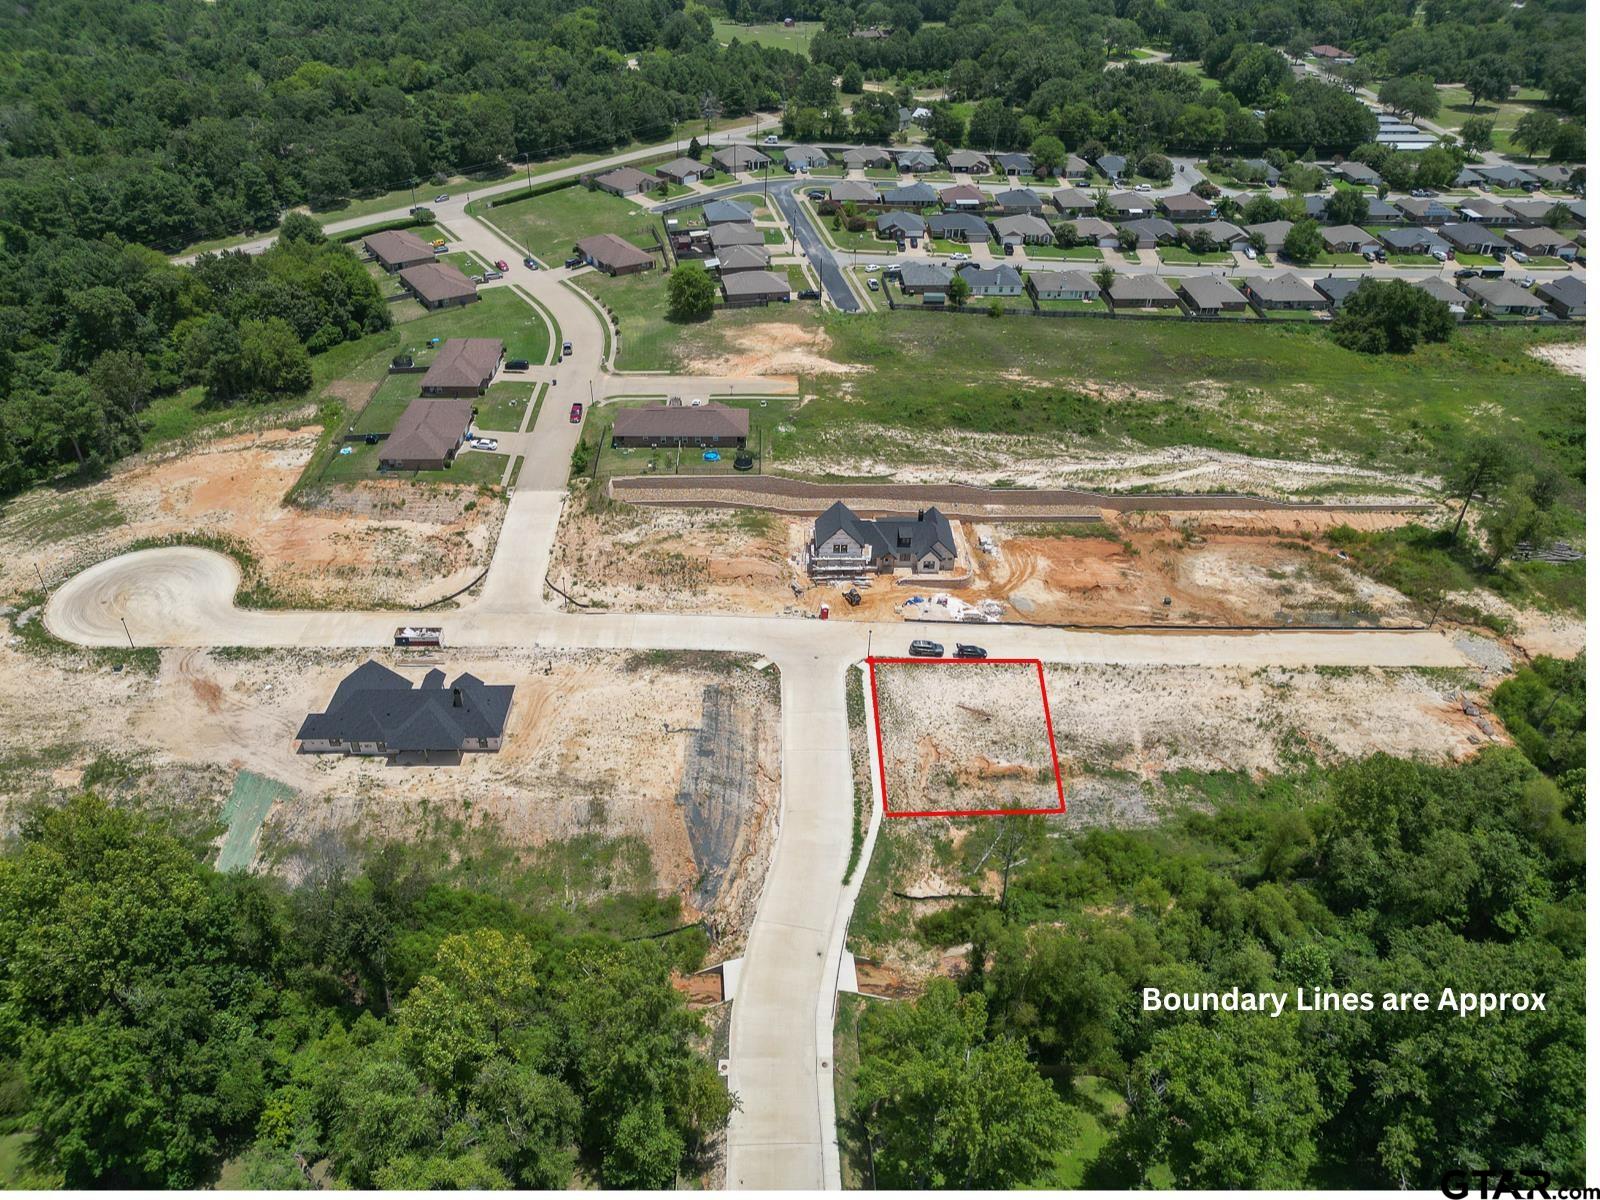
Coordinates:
<point>246,808</point>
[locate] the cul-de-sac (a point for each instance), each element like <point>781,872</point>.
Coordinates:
<point>708,594</point>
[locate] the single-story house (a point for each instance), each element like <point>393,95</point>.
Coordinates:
<point>1093,229</point>
<point>1186,206</point>
<point>912,195</point>
<point>1112,166</point>
<point>735,233</point>
<point>855,191</point>
<point>1152,231</point>
<point>396,249</point>
<point>609,253</point>
<point>710,424</point>
<point>426,436</point>
<point>754,287</point>
<point>1272,232</point>
<point>1411,239</point>
<point>1142,291</point>
<point>438,285</point>
<point>1381,212</point>
<point>725,212</point>
<point>463,367</point>
<point>1014,162</point>
<point>1077,169</point>
<point>844,544</point>
<point>1506,176</point>
<point>1348,239</point>
<point>1211,294</point>
<point>1440,290</point>
<point>1129,205</point>
<point>1337,288</point>
<point>1472,239</point>
<point>920,278</point>
<point>1546,242</point>
<point>1358,173</point>
<point>861,157</point>
<point>1425,210</point>
<point>1564,294</point>
<point>376,711</point>
<point>626,181</point>
<point>967,162</point>
<point>733,159</point>
<point>1502,297</point>
<point>1285,291</point>
<point>1532,212</point>
<point>1554,175</point>
<point>916,160</point>
<point>1072,201</point>
<point>902,226</point>
<point>1260,168</point>
<point>959,227</point>
<point>1316,206</point>
<point>1019,200</point>
<point>1485,212</point>
<point>1001,280</point>
<point>805,156</point>
<point>1223,233</point>
<point>1024,228</point>
<point>1063,285</point>
<point>1332,54</point>
<point>681,170</point>
<point>732,259</point>
<point>1467,177</point>
<point>963,195</point>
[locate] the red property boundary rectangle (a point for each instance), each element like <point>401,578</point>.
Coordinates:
<point>1049,733</point>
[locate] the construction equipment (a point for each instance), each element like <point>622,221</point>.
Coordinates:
<point>852,597</point>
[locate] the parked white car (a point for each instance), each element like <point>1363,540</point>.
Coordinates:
<point>1143,187</point>
<point>871,268</point>
<point>483,443</point>
<point>961,258</point>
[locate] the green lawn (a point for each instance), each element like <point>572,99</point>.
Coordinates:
<point>1071,254</point>
<point>1273,389</point>
<point>502,407</point>
<point>1416,260</point>
<point>881,173</point>
<point>1084,306</point>
<point>1466,260</point>
<point>1178,255</point>
<point>766,414</point>
<point>1455,106</point>
<point>1095,1108</point>
<point>550,224</point>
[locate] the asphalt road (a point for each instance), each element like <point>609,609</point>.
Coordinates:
<point>822,258</point>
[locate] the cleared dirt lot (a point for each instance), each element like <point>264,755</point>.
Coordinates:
<point>383,543</point>
<point>963,737</point>
<point>677,753</point>
<point>1136,568</point>
<point>1134,743</point>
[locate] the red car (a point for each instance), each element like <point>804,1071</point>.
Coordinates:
<point>576,414</point>
<point>500,265</point>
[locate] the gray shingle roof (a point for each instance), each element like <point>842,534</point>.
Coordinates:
<point>375,704</point>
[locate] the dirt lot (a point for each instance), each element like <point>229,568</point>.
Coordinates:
<point>599,744</point>
<point>963,737</point>
<point>381,543</point>
<point>771,348</point>
<point>1126,737</point>
<point>1137,568</point>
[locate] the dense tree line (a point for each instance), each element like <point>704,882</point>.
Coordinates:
<point>166,123</point>
<point>91,330</point>
<point>1045,65</point>
<point>1378,876</point>
<point>372,1028</point>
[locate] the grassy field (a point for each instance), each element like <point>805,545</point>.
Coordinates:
<point>796,38</point>
<point>1258,388</point>
<point>502,407</point>
<point>1180,255</point>
<point>549,225</point>
<point>649,341</point>
<point>1455,106</point>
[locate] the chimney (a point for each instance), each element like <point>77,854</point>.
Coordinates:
<point>455,697</point>
<point>921,512</point>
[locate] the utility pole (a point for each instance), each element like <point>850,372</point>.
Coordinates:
<point>124,621</point>
<point>42,585</point>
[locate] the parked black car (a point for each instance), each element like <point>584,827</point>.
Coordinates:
<point>810,294</point>
<point>516,364</point>
<point>965,651</point>
<point>926,649</point>
<point>574,261</point>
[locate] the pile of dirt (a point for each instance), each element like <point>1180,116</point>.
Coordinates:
<point>379,543</point>
<point>1567,357</point>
